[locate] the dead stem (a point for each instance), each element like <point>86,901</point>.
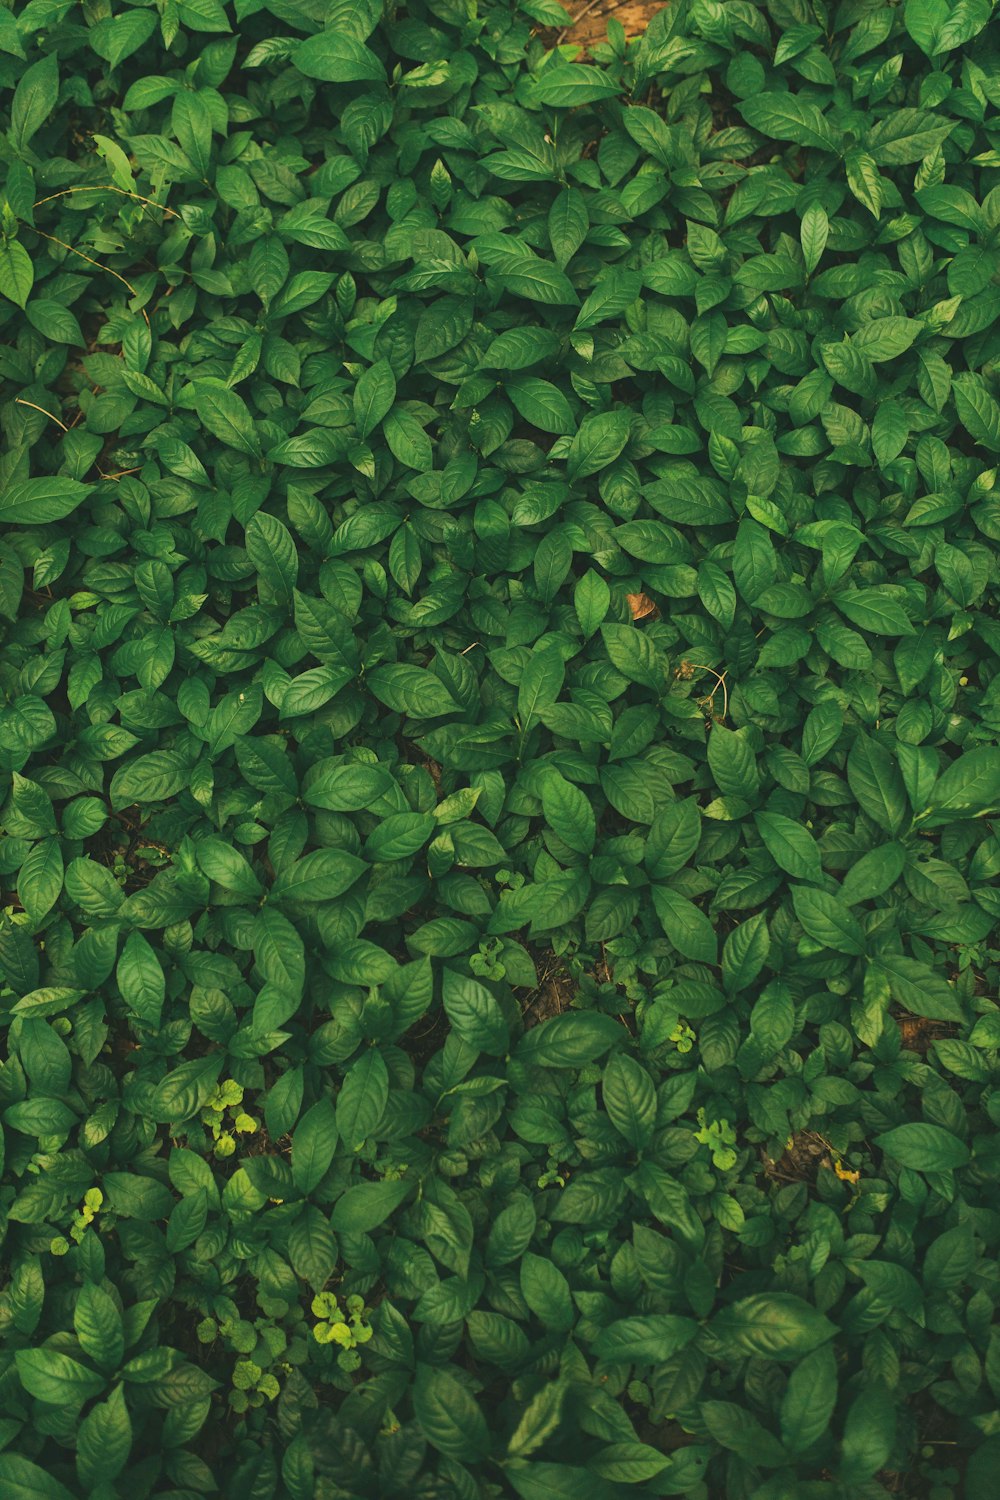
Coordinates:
<point>73,251</point>
<point>108,187</point>
<point>20,401</point>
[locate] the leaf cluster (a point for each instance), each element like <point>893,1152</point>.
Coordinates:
<point>500,751</point>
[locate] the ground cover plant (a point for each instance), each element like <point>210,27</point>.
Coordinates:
<point>500,717</point>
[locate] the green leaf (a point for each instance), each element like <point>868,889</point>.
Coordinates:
<point>968,788</point>
<point>601,438</point>
<point>568,813</point>
<point>790,845</point>
<point>876,783</point>
<point>541,403</point>
<point>568,85</point>
<point>17,272</point>
<point>56,1379</point>
<point>629,1098</point>
<point>591,601</point>
<point>24,1480</point>
<point>569,1041</point>
<point>99,1327</point>
<point>272,551</point>
<point>313,1146</point>
<point>869,1434</point>
<point>827,920</point>
<point>540,1419</point>
<point>334,57</point>
<point>809,1400</point>
<point>322,875</point>
<point>33,101</point>
<point>365,1206</point>
<point>35,502</point>
<point>922,991</point>
<point>150,778</point>
<point>686,925</point>
<point>925,1148</point>
<point>474,1013</point>
<point>772,1325</point>
<point>645,1340</point>
<point>226,416</point>
<point>448,1415</point>
<point>373,397</point>
<point>362,1099</point>
<point>787,117</point>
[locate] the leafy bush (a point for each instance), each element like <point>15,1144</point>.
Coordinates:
<point>500,672</point>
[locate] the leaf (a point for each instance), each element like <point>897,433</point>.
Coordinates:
<point>772,1325</point>
<point>35,502</point>
<point>876,783</point>
<point>540,685</point>
<point>869,1434</point>
<point>540,1419</point>
<point>362,1099</point>
<point>924,20</point>
<point>568,813</point>
<point>591,600</point>
<point>827,920</point>
<point>786,117</point>
<point>651,1339</point>
<point>864,181</point>
<point>568,85</point>
<point>968,788</point>
<point>313,1145</point>
<point>918,988</point>
<point>280,952</point>
<point>33,101</point>
<point>791,846</point>
<point>365,1206</point>
<point>334,57</point>
<point>541,403</point>
<point>150,778</point>
<point>56,1379</point>
<point>474,1013</point>
<point>99,1327</point>
<point>809,1400</point>
<point>17,274</point>
<point>601,438</point>
<point>925,1148</point>
<point>686,925</point>
<point>373,397</point>
<point>814,234</point>
<point>322,875</point>
<point>569,1041</point>
<point>24,1480</point>
<point>629,1098</point>
<point>977,410</point>
<point>105,1440</point>
<point>907,135</point>
<point>227,417</point>
<point>448,1415</point>
<point>536,280</point>
<point>272,551</point>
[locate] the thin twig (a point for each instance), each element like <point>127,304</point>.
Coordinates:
<point>20,401</point>
<point>720,681</point>
<point>73,251</point>
<point>576,20</point>
<point>108,187</point>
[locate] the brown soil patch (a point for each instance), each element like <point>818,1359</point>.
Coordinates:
<point>553,995</point>
<point>801,1159</point>
<point>917,1033</point>
<point>590,26</point>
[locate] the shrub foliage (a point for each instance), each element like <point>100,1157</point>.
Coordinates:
<point>499,731</point>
